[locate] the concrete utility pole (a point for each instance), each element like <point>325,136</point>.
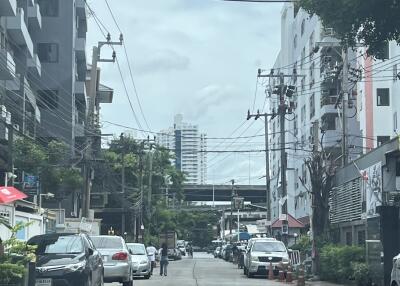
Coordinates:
<point>267,173</point>
<point>90,121</point>
<point>231,216</point>
<point>345,96</point>
<point>150,191</point>
<point>283,91</point>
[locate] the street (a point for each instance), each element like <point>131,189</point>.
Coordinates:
<point>202,270</point>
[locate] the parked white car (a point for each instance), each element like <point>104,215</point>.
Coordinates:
<point>260,252</point>
<point>395,277</point>
<point>141,265</point>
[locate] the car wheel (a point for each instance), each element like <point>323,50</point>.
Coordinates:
<point>249,274</point>
<point>129,283</point>
<point>147,276</point>
<point>88,281</point>
<point>101,283</point>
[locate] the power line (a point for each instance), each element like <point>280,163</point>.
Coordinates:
<point>129,67</point>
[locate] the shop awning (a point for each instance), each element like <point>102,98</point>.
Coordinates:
<point>10,194</point>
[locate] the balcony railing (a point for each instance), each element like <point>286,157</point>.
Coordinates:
<point>8,7</point>
<point>34,16</point>
<point>18,31</point>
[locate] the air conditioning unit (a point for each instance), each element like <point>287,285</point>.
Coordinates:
<point>328,32</point>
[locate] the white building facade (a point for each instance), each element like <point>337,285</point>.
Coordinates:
<point>312,54</point>
<point>189,147</point>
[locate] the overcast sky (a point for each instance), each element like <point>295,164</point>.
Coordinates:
<point>198,58</point>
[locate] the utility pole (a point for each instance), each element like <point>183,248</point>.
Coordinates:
<point>123,220</point>
<point>231,216</point>
<point>283,91</point>
<point>282,113</point>
<point>151,143</point>
<point>90,121</point>
<point>345,96</point>
<point>267,173</point>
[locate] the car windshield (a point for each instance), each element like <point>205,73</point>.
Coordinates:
<point>60,245</point>
<point>103,242</point>
<point>269,246</point>
<point>137,249</point>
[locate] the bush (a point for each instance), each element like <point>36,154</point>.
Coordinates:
<point>361,273</point>
<point>336,262</point>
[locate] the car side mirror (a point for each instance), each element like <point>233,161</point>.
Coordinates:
<point>89,252</point>
<point>130,251</point>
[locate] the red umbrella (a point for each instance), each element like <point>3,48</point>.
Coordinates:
<point>10,194</point>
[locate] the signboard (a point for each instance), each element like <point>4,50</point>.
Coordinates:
<point>372,189</point>
<point>31,185</point>
<point>238,203</point>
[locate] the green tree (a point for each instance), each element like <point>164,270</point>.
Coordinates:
<point>51,163</point>
<point>370,22</point>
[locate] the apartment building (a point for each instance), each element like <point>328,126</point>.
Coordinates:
<point>311,53</point>
<point>60,46</point>
<point>379,104</point>
<point>19,70</point>
<point>189,147</point>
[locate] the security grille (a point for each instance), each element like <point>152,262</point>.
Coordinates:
<point>345,202</point>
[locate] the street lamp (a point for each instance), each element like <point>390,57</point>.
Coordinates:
<point>295,237</point>
<point>47,196</point>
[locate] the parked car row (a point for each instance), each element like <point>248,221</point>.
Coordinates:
<point>78,259</point>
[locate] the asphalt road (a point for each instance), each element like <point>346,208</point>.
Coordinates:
<point>202,270</point>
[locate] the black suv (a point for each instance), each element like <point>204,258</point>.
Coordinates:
<point>65,259</point>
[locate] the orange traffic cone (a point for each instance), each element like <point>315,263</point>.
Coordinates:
<point>270,272</point>
<point>289,275</point>
<point>300,279</point>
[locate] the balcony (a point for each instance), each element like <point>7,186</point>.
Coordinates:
<point>7,65</point>
<point>80,8</point>
<point>80,49</point>
<point>328,104</point>
<point>80,91</point>
<point>18,31</point>
<point>8,7</point>
<point>35,66</point>
<point>34,17</point>
<point>105,94</point>
<point>79,129</point>
<point>12,84</point>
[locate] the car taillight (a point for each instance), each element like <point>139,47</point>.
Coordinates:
<point>120,256</point>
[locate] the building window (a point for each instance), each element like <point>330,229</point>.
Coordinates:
<point>382,140</point>
<point>303,25</point>
<point>312,106</point>
<point>312,44</point>
<point>304,173</point>
<point>395,121</point>
<point>295,130</point>
<point>329,122</point>
<point>303,56</point>
<point>382,97</point>
<point>48,99</point>
<point>49,8</point>
<point>48,52</point>
<point>295,42</point>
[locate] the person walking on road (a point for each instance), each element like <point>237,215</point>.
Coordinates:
<point>151,253</point>
<point>164,259</point>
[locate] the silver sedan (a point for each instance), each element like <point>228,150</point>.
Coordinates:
<point>141,265</point>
